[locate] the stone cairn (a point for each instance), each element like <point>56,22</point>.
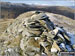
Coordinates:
<point>34,34</point>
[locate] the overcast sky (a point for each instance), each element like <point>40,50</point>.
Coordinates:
<point>45,2</point>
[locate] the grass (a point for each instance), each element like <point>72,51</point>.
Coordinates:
<point>4,24</point>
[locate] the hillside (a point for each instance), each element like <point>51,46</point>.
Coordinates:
<point>4,23</point>
<point>12,10</point>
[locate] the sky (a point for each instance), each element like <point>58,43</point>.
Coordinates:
<point>45,2</point>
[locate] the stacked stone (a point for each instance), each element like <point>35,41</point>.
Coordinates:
<point>37,34</point>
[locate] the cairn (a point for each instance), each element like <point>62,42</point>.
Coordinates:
<point>35,34</point>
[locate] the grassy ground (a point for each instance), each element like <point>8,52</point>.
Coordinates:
<point>4,24</point>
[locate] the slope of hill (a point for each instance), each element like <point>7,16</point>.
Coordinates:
<point>12,10</point>
<point>4,24</point>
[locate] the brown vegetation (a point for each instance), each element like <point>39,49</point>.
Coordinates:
<point>12,10</point>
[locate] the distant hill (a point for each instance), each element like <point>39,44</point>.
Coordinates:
<point>12,10</point>
<point>73,7</point>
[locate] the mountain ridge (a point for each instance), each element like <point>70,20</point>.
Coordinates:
<point>13,10</point>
